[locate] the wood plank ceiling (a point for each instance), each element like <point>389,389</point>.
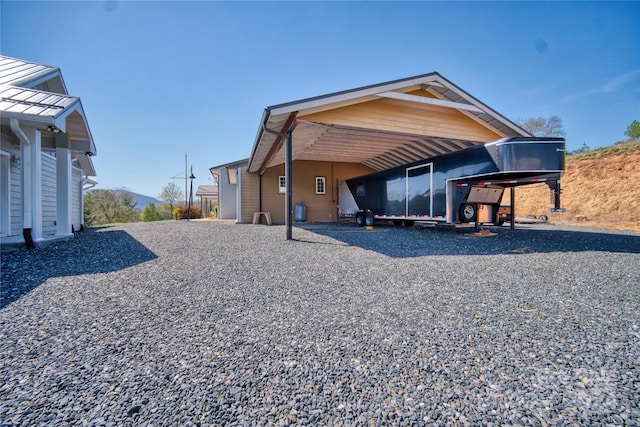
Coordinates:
<point>387,140</point>
<point>376,149</point>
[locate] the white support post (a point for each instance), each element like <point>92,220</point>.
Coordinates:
<point>33,185</point>
<point>63,191</point>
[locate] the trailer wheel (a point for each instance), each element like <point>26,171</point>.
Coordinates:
<point>409,223</point>
<point>360,219</point>
<point>397,222</point>
<point>368,219</point>
<point>468,212</point>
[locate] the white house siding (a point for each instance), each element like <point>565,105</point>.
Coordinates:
<point>48,195</point>
<point>76,198</point>
<point>15,198</point>
<point>226,197</point>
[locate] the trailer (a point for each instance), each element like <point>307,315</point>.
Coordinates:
<point>465,186</point>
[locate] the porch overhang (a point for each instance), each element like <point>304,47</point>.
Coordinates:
<point>53,114</point>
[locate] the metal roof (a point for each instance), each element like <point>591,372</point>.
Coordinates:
<point>373,146</point>
<point>35,95</point>
<point>17,72</point>
<point>24,103</point>
<point>207,191</point>
<point>235,164</point>
<point>50,112</point>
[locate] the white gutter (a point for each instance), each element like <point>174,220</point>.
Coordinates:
<point>84,181</point>
<point>25,155</point>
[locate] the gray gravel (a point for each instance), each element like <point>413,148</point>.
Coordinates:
<point>212,323</point>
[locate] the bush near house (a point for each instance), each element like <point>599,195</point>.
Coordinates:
<point>182,212</point>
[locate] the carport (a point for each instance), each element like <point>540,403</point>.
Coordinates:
<point>379,126</point>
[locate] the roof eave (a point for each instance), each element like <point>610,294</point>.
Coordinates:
<point>332,98</point>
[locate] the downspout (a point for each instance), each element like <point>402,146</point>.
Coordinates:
<point>27,208</point>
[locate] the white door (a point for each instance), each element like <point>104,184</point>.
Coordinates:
<point>419,199</point>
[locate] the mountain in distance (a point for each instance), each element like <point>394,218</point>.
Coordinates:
<point>141,200</point>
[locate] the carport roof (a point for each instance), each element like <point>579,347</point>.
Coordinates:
<point>377,148</point>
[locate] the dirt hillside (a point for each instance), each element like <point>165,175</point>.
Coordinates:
<point>600,189</point>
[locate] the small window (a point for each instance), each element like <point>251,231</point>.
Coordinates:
<point>282,184</point>
<point>321,185</point>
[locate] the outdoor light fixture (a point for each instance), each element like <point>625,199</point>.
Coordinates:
<point>52,128</point>
<point>15,159</point>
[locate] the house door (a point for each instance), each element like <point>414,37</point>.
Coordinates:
<point>419,199</point>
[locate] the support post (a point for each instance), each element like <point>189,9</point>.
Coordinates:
<point>512,219</point>
<point>288,163</point>
<point>63,191</point>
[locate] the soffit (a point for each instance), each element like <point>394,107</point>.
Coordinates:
<point>372,144</point>
<point>376,149</point>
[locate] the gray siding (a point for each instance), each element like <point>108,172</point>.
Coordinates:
<point>15,198</point>
<point>48,195</point>
<point>76,198</point>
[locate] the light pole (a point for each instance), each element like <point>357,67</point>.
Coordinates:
<point>192,177</point>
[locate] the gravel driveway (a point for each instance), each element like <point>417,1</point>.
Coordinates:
<point>213,323</point>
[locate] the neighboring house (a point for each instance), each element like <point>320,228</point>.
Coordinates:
<point>341,135</point>
<point>208,195</point>
<point>229,197</point>
<point>45,154</point>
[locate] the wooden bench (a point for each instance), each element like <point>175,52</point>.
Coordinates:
<point>257,215</point>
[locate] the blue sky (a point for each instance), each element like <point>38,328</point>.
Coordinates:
<point>159,79</point>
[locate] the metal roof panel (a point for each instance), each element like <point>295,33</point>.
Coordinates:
<point>17,72</point>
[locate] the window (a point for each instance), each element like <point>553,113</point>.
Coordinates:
<point>282,184</point>
<point>321,185</point>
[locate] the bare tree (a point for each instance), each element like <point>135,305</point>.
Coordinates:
<point>170,193</point>
<point>541,126</point>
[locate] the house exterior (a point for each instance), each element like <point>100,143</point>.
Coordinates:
<point>208,195</point>
<point>45,154</point>
<point>229,195</point>
<point>315,144</point>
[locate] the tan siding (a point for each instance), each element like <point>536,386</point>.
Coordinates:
<point>250,194</point>
<point>272,201</point>
<point>320,207</point>
<point>400,116</point>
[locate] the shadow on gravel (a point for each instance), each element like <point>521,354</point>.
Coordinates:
<point>95,250</point>
<point>410,242</point>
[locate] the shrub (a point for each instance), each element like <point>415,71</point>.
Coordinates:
<point>214,212</point>
<point>150,213</point>
<point>182,212</point>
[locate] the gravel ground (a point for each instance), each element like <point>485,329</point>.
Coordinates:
<point>212,323</point>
